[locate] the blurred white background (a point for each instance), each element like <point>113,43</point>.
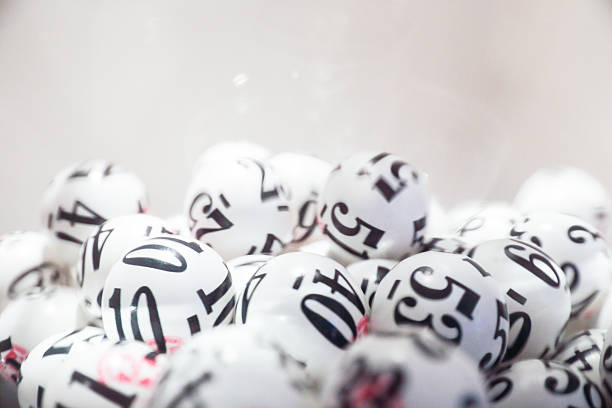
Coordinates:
<point>479,93</point>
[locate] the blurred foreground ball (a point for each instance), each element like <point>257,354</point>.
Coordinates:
<point>450,294</point>
<point>375,206</point>
<point>166,289</point>
<point>239,207</point>
<point>83,196</point>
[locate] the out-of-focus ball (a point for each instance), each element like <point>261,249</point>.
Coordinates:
<point>566,190</point>
<point>604,319</point>
<point>104,375</point>
<point>450,294</point>
<point>322,247</point>
<point>178,224</point>
<point>459,213</point>
<point>25,265</point>
<point>243,267</point>
<point>605,366</point>
<point>239,207</point>
<point>437,222</point>
<point>45,359</point>
<point>368,275</point>
<point>538,297</point>
<point>449,244</point>
<point>83,196</point>
<point>305,177</point>
<point>582,351</point>
<point>309,303</point>
<point>542,384</point>
<point>105,247</point>
<point>577,248</point>
<point>493,221</point>
<point>236,367</point>
<point>166,289</point>
<point>233,150</point>
<point>375,206</point>
<point>404,371</point>
<point>29,319</point>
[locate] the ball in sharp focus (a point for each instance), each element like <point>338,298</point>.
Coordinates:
<point>239,207</point>
<point>83,196</point>
<point>538,297</point>
<point>449,294</point>
<point>166,289</point>
<point>374,206</point>
<point>579,249</point>
<point>105,247</point>
<point>404,371</point>
<point>542,384</point>
<point>309,303</point>
<point>236,367</point>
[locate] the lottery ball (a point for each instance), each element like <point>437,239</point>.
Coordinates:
<point>309,303</point>
<point>577,248</point>
<point>236,367</point>
<point>449,294</point>
<point>105,374</point>
<point>26,267</point>
<point>404,371</point>
<point>368,275</point>
<point>45,359</point>
<point>105,247</point>
<point>231,151</point>
<point>305,177</point>
<point>538,297</point>
<point>29,319</point>
<point>83,196</point>
<point>243,267</point>
<point>605,366</point>
<point>493,221</point>
<point>458,214</point>
<point>449,244</point>
<point>437,222</point>
<point>239,207</point>
<point>322,247</point>
<point>542,384</point>
<point>375,206</point>
<point>166,289</point>
<point>178,224</point>
<point>567,190</point>
<point>582,351</point>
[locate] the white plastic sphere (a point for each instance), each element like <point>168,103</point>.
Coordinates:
<point>605,365</point>
<point>178,224</point>
<point>322,247</point>
<point>83,196</point>
<point>567,190</point>
<point>243,268</point>
<point>404,371</point>
<point>492,221</point>
<point>375,206</point>
<point>583,352</point>
<point>309,303</point>
<point>538,297</point>
<point>449,244</point>
<point>166,289</point>
<point>105,247</point>
<point>230,151</point>
<point>368,275</point>
<point>236,367</point>
<point>239,207</point>
<point>450,294</point>
<point>542,384</point>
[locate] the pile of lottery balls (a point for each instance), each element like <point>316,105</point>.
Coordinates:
<point>288,281</point>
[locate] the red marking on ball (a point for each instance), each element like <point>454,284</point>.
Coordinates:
<point>172,344</point>
<point>10,363</point>
<point>120,366</point>
<point>362,327</point>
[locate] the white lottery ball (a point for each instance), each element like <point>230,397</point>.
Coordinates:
<point>105,247</point>
<point>538,297</point>
<point>309,303</point>
<point>583,352</point>
<point>25,265</point>
<point>605,366</point>
<point>305,176</point>
<point>166,289</point>
<point>450,294</point>
<point>404,371</point>
<point>105,375</point>
<point>322,247</point>
<point>566,190</point>
<point>29,319</point>
<point>45,359</point>
<point>239,207</point>
<point>375,206</point>
<point>577,247</point>
<point>83,196</point>
<point>493,221</point>
<point>542,384</point>
<point>178,224</point>
<point>243,268</point>
<point>368,274</point>
<point>237,368</point>
<point>449,244</point>
<point>462,211</point>
<point>231,151</point>
<point>437,222</point>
